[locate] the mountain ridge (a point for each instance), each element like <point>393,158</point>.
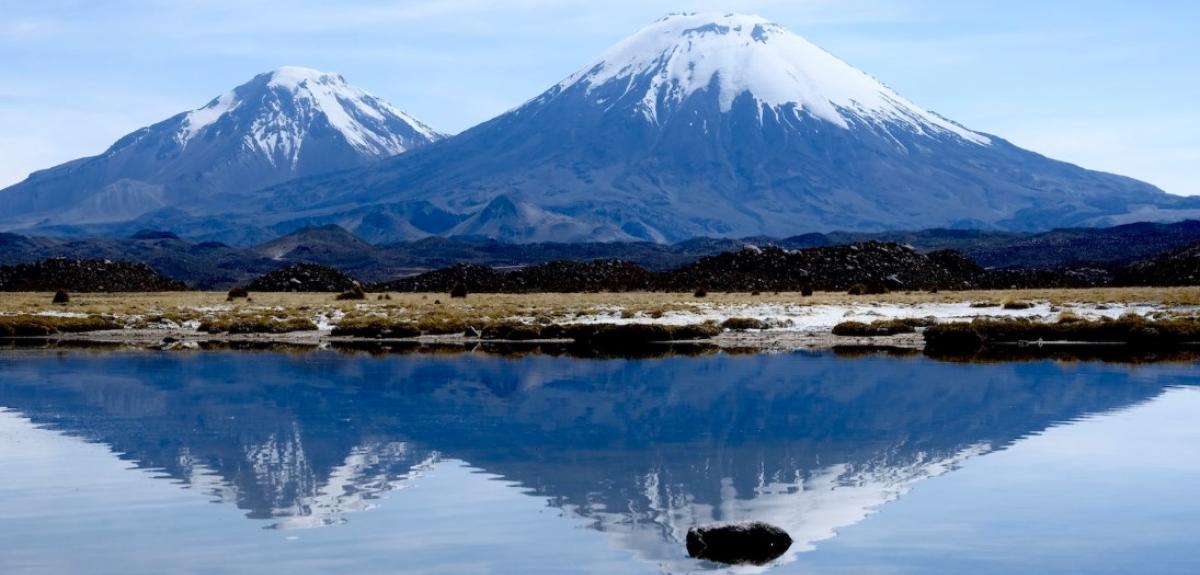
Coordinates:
<point>282,124</point>
<point>656,154</point>
<point>699,125</point>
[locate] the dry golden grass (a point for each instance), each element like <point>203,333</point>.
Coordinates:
<point>438,313</point>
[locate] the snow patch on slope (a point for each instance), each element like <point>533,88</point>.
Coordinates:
<point>197,120</point>
<point>345,106</point>
<point>685,53</point>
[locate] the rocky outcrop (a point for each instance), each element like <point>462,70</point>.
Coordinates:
<point>85,276</point>
<point>304,278</point>
<point>1081,276</point>
<point>556,277</point>
<point>1177,268</point>
<point>880,266</point>
<point>874,264</point>
<point>471,277</point>
<point>571,277</point>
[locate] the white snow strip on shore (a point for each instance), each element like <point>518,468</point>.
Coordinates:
<point>790,317</point>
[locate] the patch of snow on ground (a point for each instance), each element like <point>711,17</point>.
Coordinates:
<point>792,317</point>
<point>327,321</point>
<point>60,314</point>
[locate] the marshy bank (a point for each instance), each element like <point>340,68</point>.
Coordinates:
<point>767,321</point>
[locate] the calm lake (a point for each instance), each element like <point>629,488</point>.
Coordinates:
<point>327,462</point>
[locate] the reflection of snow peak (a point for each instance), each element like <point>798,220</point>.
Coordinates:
<point>353,485</point>
<point>811,509</point>
<point>297,497</point>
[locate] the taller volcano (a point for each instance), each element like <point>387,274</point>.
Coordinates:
<point>730,125</point>
<point>708,125</point>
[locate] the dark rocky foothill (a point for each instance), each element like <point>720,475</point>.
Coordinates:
<point>879,267</point>
<point>1065,277</point>
<point>837,268</point>
<point>1083,257</point>
<point>304,278</point>
<point>574,277</point>
<point>85,276</point>
<point>552,277</point>
<point>866,268</point>
<point>1177,268</point>
<point>738,544</point>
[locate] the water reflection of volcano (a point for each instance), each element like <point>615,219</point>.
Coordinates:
<point>640,449</point>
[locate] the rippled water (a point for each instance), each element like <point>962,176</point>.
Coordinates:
<point>214,462</point>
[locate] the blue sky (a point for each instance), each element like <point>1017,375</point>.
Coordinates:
<point>1110,85</point>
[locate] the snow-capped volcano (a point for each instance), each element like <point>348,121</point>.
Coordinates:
<point>727,125</point>
<point>287,123</point>
<point>290,102</point>
<point>733,55</point>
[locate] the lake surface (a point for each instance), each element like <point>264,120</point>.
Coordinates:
<point>324,462</point>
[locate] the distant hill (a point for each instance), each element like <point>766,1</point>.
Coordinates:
<point>85,276</point>
<point>213,265</point>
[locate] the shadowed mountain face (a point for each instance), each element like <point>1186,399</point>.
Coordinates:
<point>640,449</point>
<point>727,126</point>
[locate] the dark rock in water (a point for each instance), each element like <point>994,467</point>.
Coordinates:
<point>738,544</point>
<point>304,278</point>
<point>61,296</point>
<point>86,276</point>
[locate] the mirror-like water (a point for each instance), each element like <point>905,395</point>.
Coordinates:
<point>214,462</point>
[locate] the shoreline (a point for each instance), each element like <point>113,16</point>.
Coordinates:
<point>187,339</point>
<point>783,322</point>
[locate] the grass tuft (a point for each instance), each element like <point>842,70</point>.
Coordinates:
<point>256,324</point>
<point>41,326</point>
<point>1130,330</point>
<point>743,324</point>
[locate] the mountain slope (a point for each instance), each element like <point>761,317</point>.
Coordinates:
<point>288,123</point>
<point>729,125</point>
